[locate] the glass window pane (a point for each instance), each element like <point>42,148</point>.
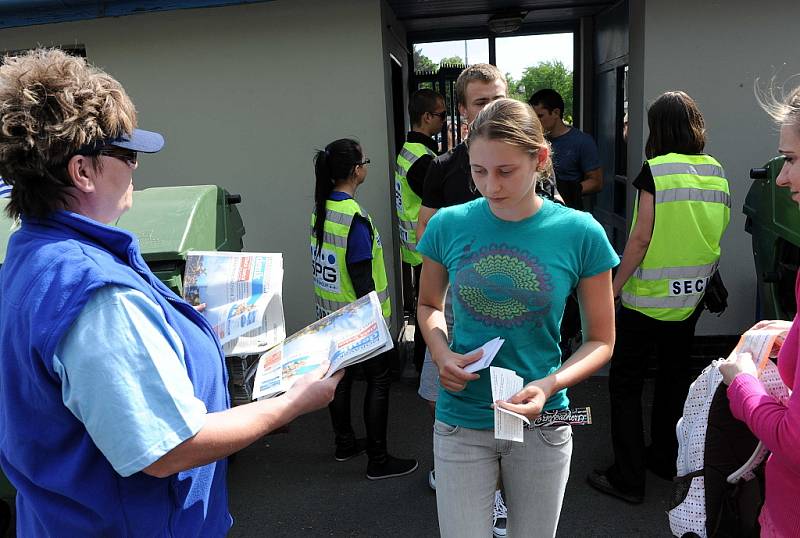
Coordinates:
<point>535,62</point>
<point>428,56</point>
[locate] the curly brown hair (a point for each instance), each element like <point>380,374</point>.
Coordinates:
<point>51,106</point>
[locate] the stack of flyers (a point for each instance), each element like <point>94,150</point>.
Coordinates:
<point>507,425</point>
<point>489,349</point>
<point>350,335</point>
<point>242,294</point>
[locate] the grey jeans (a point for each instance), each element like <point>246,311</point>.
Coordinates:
<point>468,463</point>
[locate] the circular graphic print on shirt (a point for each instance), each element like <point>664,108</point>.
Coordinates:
<point>504,286</point>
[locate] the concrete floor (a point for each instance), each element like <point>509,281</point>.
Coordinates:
<point>289,484</point>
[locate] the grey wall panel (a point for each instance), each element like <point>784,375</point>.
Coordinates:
<point>714,51</point>
<point>244,95</point>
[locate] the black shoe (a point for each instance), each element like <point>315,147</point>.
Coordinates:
<point>599,481</point>
<point>350,452</point>
<point>390,468</point>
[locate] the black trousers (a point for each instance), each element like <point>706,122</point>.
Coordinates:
<point>376,406</point>
<point>637,336</point>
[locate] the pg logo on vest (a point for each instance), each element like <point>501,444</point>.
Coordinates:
<point>398,195</point>
<point>325,271</point>
<point>687,286</point>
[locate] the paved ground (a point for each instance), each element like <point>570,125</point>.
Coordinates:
<point>290,485</point>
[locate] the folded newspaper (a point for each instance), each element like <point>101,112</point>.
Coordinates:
<point>350,335</point>
<point>242,294</point>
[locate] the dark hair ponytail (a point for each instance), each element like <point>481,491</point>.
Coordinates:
<point>335,163</point>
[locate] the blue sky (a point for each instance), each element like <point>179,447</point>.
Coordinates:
<point>514,54</point>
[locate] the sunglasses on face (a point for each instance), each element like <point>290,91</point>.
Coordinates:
<point>127,156</point>
<point>441,115</point>
<point>362,163</point>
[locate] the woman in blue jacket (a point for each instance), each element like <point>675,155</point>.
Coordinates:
<point>115,414</point>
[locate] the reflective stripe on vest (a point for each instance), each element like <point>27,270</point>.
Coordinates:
<point>333,288</point>
<point>692,201</point>
<point>694,169</point>
<point>689,271</point>
<point>407,203</point>
<point>693,195</point>
<point>328,306</point>
<point>680,301</point>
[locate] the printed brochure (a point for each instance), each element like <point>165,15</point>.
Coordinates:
<point>350,335</point>
<point>242,293</point>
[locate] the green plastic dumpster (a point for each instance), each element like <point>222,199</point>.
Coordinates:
<point>773,220</point>
<point>169,222</point>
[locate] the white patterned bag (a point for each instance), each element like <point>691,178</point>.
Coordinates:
<point>717,455</point>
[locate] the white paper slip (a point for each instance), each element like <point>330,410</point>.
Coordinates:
<point>490,349</point>
<point>506,383</point>
<point>513,414</point>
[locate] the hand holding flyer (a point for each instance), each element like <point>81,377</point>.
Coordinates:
<point>353,334</point>
<point>489,349</point>
<point>507,425</point>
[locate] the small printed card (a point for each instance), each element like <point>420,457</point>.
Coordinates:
<point>490,349</point>
<point>507,425</point>
<point>523,418</point>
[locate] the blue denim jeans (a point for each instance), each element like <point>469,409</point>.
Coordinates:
<point>468,463</point>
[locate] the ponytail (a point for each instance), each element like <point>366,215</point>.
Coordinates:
<point>322,190</point>
<point>336,163</point>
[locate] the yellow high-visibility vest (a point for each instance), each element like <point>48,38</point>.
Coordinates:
<point>692,210</point>
<point>407,203</point>
<point>333,287</point>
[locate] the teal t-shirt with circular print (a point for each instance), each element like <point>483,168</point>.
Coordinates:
<point>512,280</point>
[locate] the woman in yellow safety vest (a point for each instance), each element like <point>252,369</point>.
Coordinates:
<point>673,250</point>
<point>347,261</point>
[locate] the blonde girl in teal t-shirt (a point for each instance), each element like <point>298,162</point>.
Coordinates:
<point>511,259</point>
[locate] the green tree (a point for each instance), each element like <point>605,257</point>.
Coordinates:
<point>452,60</point>
<point>516,90</point>
<point>552,74</point>
<point>422,62</point>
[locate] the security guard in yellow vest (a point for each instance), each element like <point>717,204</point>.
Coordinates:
<point>332,283</point>
<point>407,201</point>
<point>681,213</point>
<point>427,113</point>
<point>347,263</point>
<point>693,205</point>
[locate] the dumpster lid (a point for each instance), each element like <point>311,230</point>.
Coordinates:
<point>169,221</point>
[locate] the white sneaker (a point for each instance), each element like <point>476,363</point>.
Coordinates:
<point>500,516</point>
<point>432,479</point>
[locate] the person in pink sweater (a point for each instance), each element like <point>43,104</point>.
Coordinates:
<point>776,424</point>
